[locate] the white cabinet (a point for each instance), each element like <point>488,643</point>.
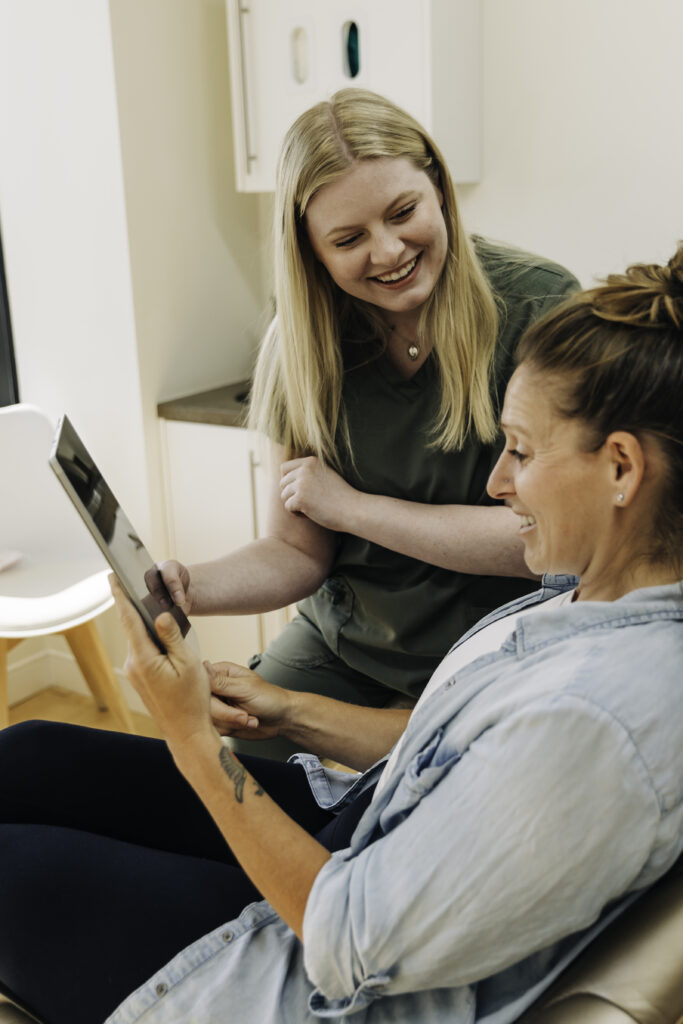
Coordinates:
<point>286,55</point>
<point>212,482</point>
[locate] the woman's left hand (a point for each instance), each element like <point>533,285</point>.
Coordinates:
<point>175,686</point>
<point>308,487</point>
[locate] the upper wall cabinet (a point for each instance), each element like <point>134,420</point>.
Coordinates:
<point>286,55</point>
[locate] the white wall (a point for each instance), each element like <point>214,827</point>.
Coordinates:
<point>194,254</point>
<point>64,231</point>
<point>133,266</point>
<point>194,249</point>
<point>583,136</point>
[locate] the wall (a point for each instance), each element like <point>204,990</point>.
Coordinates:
<point>133,266</point>
<point>583,147</point>
<point>64,231</point>
<point>194,254</point>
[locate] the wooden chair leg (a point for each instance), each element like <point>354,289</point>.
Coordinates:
<point>4,704</point>
<point>89,652</point>
<point>6,645</point>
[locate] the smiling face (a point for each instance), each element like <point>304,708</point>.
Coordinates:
<point>380,233</point>
<point>566,497</point>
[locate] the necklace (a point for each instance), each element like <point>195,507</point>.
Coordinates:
<point>413,347</point>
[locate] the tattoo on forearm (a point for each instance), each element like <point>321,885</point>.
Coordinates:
<point>237,772</point>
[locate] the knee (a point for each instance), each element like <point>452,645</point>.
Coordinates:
<point>23,745</point>
<point>24,883</point>
<point>24,734</point>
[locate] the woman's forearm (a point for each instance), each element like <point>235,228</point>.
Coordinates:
<point>482,540</point>
<point>353,735</point>
<point>280,857</point>
<point>266,574</point>
<point>479,539</point>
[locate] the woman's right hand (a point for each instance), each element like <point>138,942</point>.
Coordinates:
<point>178,583</point>
<point>245,705</point>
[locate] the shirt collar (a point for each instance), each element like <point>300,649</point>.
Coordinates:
<point>642,605</point>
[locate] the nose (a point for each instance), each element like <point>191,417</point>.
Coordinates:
<point>386,248</point>
<point>500,483</point>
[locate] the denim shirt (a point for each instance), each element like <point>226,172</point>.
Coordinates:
<point>534,796</point>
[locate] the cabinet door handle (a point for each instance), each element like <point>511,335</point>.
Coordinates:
<point>248,148</point>
<point>351,49</point>
<point>299,54</point>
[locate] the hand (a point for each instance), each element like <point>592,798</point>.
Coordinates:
<point>245,705</point>
<point>309,487</point>
<point>174,686</point>
<point>178,583</point>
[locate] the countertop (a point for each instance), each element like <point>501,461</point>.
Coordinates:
<point>223,406</point>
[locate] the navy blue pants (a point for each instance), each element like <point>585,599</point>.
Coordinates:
<point>110,865</point>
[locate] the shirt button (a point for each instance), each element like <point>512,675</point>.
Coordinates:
<point>161,989</point>
<point>227,936</point>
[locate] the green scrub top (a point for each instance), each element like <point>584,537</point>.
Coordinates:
<point>386,615</point>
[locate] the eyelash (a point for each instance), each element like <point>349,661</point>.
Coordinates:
<point>405,212</point>
<point>516,454</point>
<point>347,241</point>
<point>402,215</point>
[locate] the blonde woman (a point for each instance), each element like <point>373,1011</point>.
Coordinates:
<point>379,384</point>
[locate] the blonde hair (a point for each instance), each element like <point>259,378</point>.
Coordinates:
<point>296,397</point>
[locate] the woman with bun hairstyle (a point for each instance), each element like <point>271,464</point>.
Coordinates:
<point>533,793</point>
<point>379,383</point>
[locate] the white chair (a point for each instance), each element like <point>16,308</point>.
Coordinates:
<point>56,577</point>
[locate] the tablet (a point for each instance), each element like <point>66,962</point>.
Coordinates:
<point>112,530</point>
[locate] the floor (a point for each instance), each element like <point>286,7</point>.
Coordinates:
<point>57,704</point>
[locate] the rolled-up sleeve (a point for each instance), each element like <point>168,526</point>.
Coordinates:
<point>546,817</point>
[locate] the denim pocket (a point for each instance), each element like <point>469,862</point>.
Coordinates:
<point>426,769</point>
<point>429,766</point>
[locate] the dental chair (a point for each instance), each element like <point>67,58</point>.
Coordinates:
<point>632,973</point>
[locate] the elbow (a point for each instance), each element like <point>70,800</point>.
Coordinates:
<point>345,979</point>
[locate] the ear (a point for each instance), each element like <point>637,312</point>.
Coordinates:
<point>626,459</point>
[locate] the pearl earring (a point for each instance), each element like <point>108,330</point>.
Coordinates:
<point>620,496</point>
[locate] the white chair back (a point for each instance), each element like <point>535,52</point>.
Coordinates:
<point>37,518</point>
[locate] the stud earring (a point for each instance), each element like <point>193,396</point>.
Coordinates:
<point>620,496</point>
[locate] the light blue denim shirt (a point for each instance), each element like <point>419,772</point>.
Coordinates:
<point>534,795</point>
